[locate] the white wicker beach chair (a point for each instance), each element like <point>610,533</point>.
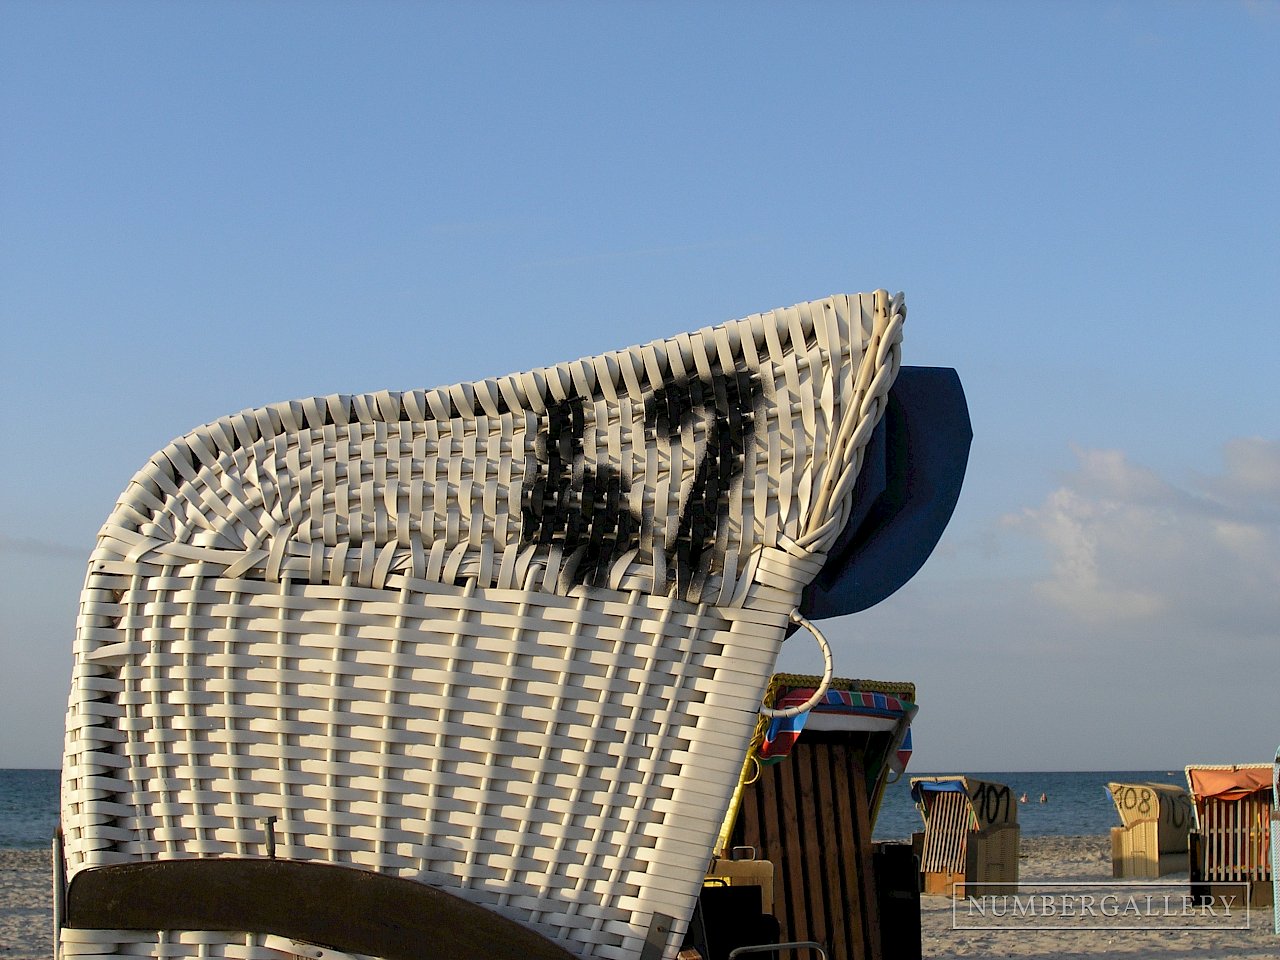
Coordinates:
<point>503,643</point>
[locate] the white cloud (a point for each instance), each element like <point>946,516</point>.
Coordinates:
<point>1129,547</point>
<point>1150,639</point>
<point>1251,479</point>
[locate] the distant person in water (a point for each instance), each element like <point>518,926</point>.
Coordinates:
<point>1023,798</point>
<point>1044,798</point>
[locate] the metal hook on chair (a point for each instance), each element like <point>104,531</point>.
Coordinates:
<point>828,668</point>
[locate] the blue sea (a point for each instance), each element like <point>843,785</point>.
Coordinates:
<point>1078,804</point>
<point>28,808</point>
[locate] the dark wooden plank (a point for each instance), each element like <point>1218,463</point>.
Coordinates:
<point>866,877</point>
<point>834,882</point>
<point>346,909</point>
<point>794,926</point>
<point>843,787</point>
<point>812,855</point>
<point>747,831</point>
<point>842,840</point>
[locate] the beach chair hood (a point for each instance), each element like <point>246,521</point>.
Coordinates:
<point>1228,783</point>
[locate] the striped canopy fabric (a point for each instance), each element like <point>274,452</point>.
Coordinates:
<point>844,710</point>
<point>507,639</point>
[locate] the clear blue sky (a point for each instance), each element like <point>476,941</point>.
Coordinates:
<point>207,207</point>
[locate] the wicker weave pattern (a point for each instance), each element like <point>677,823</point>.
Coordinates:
<point>479,636</point>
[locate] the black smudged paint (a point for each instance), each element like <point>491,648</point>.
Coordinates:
<point>583,510</point>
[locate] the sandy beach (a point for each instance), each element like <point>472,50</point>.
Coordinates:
<point>26,905</point>
<point>1086,860</point>
<point>26,916</point>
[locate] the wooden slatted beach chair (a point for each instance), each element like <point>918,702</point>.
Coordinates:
<point>1154,836</point>
<point>1232,843</point>
<point>971,836</point>
<point>470,672</point>
<point>806,808</point>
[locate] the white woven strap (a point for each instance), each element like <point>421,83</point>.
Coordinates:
<point>854,423</point>
<point>827,670</point>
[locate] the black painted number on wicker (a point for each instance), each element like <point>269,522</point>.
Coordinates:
<point>583,509</point>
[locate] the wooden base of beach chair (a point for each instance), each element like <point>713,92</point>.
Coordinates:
<point>1259,894</point>
<point>944,883</point>
<point>354,911</point>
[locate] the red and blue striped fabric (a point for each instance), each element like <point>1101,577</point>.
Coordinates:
<point>783,732</point>
<point>904,752</point>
